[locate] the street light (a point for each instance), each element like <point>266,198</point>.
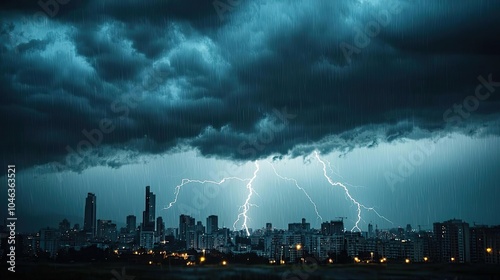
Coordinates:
<point>298,247</point>
<point>489,250</point>
<point>452,259</point>
<point>426,259</point>
<point>407,261</point>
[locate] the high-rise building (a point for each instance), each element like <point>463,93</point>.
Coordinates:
<point>106,230</point>
<point>212,224</point>
<point>485,244</point>
<point>148,216</point>
<point>452,241</point>
<point>131,223</point>
<point>89,223</point>
<point>186,224</point>
<point>370,231</point>
<point>160,229</point>
<point>333,227</point>
<point>269,228</point>
<point>49,241</point>
<point>147,239</point>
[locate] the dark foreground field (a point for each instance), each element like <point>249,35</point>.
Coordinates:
<point>118,271</point>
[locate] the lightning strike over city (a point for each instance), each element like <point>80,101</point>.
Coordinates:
<point>188,181</point>
<point>246,206</point>
<point>300,188</point>
<point>192,139</point>
<point>358,205</point>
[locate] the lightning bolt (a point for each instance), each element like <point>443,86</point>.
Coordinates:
<point>187,181</point>
<point>354,201</point>
<point>246,206</point>
<point>300,188</point>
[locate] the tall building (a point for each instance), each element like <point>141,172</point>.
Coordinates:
<point>334,227</point>
<point>148,216</point>
<point>186,229</point>
<point>89,223</point>
<point>160,229</point>
<point>370,231</point>
<point>269,228</point>
<point>49,241</point>
<point>452,241</point>
<point>131,223</point>
<point>147,239</point>
<point>106,230</point>
<point>212,224</point>
<point>485,244</point>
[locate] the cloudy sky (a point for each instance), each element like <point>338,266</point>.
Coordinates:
<point>401,97</point>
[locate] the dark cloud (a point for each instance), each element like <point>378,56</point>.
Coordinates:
<point>171,74</point>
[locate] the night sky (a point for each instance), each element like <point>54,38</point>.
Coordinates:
<point>401,97</point>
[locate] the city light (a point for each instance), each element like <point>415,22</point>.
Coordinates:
<point>452,259</point>
<point>299,247</point>
<point>202,259</point>
<point>489,250</point>
<point>330,261</point>
<point>224,262</point>
<point>426,259</point>
<point>356,259</point>
<point>407,261</point>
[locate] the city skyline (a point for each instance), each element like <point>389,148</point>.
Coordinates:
<point>213,219</point>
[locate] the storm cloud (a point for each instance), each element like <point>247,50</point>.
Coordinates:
<point>128,78</point>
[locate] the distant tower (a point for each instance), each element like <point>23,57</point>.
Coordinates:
<point>160,228</point>
<point>269,227</point>
<point>212,224</point>
<point>90,222</point>
<point>131,223</point>
<point>148,216</point>
<point>370,231</point>
<point>186,223</point>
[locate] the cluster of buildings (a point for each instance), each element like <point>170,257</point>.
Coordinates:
<point>450,241</point>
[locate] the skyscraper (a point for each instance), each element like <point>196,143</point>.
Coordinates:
<point>131,223</point>
<point>186,223</point>
<point>212,224</point>
<point>160,229</point>
<point>106,230</point>
<point>148,216</point>
<point>89,223</point>
<point>334,227</point>
<point>452,241</point>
